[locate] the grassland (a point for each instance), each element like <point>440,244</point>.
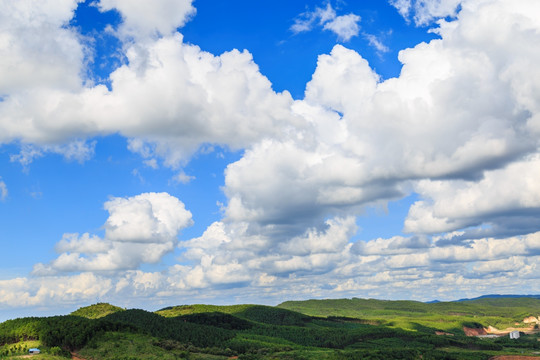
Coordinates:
<point>96,311</point>
<point>314,329</point>
<point>413,315</point>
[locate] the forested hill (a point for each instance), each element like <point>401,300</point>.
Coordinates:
<point>314,329</point>
<point>97,311</point>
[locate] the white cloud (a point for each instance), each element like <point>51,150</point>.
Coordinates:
<point>229,253</point>
<point>120,256</point>
<point>376,43</point>
<point>393,246</point>
<point>333,239</point>
<point>459,126</point>
<point>75,150</point>
<point>402,6</point>
<point>149,217</point>
<point>86,243</point>
<point>450,114</point>
<point>144,104</point>
<point>151,163</point>
<point>3,190</point>
<point>503,198</point>
<point>344,26</point>
<point>140,229</point>
<point>37,48</point>
<point>426,273</point>
<point>52,291</point>
<point>150,19</point>
<point>308,19</point>
<point>183,178</point>
<point>425,11</point>
<point>44,113</point>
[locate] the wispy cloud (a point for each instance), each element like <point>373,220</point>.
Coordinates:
<point>182,178</point>
<point>375,42</point>
<point>3,190</point>
<point>424,12</point>
<point>344,26</point>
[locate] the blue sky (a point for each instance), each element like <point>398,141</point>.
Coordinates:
<point>168,152</point>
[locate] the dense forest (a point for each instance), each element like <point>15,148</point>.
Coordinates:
<point>315,329</point>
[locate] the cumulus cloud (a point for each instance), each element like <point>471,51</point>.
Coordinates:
<point>391,268</point>
<point>450,115</point>
<point>140,229</point>
<point>150,217</point>
<point>144,104</point>
<point>344,26</point>
<point>425,11</point>
<point>44,114</point>
<point>459,126</point>
<point>333,239</point>
<point>150,19</point>
<point>393,246</point>
<point>37,47</point>
<point>504,201</point>
<point>228,253</point>
<point>448,128</point>
<point>51,291</point>
<point>86,243</point>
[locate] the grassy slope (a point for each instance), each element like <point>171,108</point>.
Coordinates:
<point>97,311</point>
<point>449,316</point>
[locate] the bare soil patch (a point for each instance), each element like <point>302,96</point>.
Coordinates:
<point>474,331</point>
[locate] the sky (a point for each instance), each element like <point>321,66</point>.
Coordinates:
<point>165,152</point>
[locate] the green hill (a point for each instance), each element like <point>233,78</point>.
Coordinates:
<point>256,313</point>
<point>296,330</point>
<point>96,311</point>
<point>415,315</point>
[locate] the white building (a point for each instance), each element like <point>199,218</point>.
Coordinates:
<point>514,334</point>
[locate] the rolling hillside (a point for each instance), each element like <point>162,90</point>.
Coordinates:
<point>96,311</point>
<point>447,316</point>
<point>296,330</point>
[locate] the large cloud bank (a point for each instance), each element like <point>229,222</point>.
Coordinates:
<point>459,127</point>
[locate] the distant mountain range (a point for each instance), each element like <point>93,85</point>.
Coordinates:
<point>490,296</point>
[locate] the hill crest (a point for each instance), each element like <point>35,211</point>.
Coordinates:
<point>96,311</point>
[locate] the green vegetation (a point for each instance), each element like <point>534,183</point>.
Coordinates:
<point>413,315</point>
<point>97,311</point>
<point>257,313</point>
<point>314,329</point>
